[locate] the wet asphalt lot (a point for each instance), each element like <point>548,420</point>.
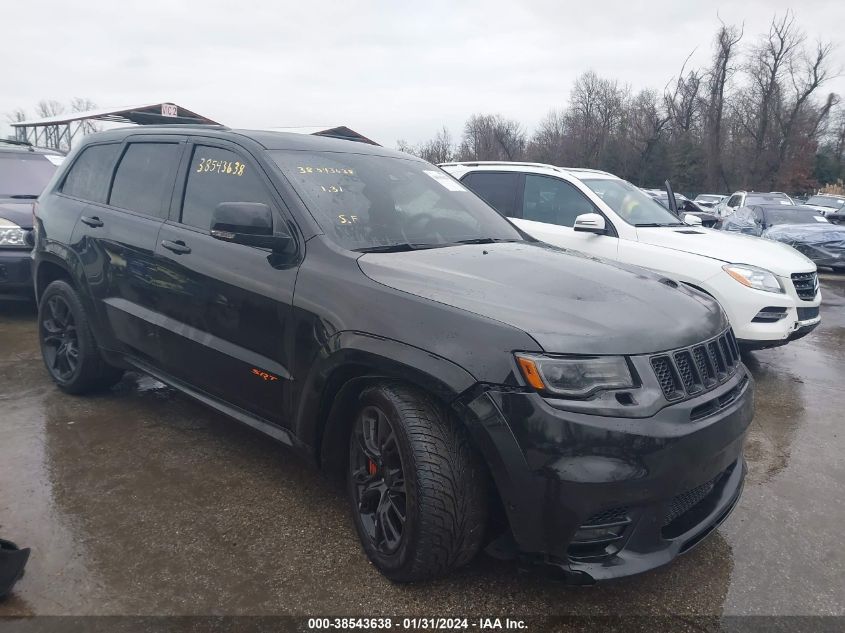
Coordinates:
<point>141,501</point>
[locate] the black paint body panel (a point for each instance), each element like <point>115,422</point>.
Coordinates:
<point>277,340</point>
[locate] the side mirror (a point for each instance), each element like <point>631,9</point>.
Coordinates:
<point>249,223</point>
<point>692,220</point>
<point>590,223</point>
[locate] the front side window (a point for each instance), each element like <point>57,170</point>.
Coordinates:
<point>631,203</point>
<point>370,202</point>
<point>218,175</point>
<point>734,201</point>
<point>88,178</point>
<point>144,178</point>
<point>553,201</point>
<point>498,189</point>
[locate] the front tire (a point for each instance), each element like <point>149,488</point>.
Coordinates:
<point>68,347</point>
<point>418,489</point>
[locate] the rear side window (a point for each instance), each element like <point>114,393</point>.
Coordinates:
<point>218,175</point>
<point>553,201</point>
<point>144,178</point>
<point>89,175</point>
<point>497,188</point>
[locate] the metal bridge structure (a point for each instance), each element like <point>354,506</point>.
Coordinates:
<point>59,131</point>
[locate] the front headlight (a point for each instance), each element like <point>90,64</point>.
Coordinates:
<point>575,376</point>
<point>11,234</point>
<point>753,277</point>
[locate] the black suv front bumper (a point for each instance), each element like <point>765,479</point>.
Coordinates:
<point>602,497</point>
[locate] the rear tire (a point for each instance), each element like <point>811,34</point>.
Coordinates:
<point>418,490</point>
<point>68,346</point>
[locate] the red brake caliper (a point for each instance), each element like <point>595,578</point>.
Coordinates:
<point>371,467</point>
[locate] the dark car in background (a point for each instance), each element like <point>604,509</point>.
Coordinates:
<point>827,203</point>
<point>685,206</point>
<point>24,172</point>
<point>801,227</point>
<point>471,384</point>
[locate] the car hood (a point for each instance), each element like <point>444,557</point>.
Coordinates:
<point>17,211</point>
<point>728,247</point>
<point>568,302</point>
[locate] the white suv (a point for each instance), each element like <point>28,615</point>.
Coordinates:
<point>769,290</point>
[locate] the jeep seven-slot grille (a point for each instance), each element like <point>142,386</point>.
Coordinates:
<point>693,370</point>
<point>806,285</point>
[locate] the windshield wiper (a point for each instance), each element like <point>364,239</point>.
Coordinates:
<point>661,224</point>
<point>24,196</point>
<point>395,248</point>
<point>483,240</point>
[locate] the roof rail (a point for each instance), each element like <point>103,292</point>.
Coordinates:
<point>585,169</point>
<point>479,163</point>
<point>475,163</point>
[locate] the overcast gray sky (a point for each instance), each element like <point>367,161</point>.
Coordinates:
<point>388,69</point>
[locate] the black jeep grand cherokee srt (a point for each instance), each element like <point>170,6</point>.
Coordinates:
<point>473,386</point>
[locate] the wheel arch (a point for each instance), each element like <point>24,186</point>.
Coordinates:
<point>49,269</point>
<point>357,361</point>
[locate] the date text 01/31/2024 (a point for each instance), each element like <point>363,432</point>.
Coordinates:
<point>450,624</point>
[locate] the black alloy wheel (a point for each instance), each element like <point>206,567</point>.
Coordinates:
<point>59,338</point>
<point>378,480</point>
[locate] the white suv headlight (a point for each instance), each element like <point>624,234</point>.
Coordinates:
<point>753,277</point>
<point>11,234</point>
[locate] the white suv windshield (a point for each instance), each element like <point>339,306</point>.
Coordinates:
<point>631,203</point>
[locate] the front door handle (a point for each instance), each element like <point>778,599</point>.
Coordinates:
<point>92,221</point>
<point>177,247</point>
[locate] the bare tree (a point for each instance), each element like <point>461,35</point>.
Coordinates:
<point>440,149</point>
<point>720,72</point>
<point>492,137</point>
<point>49,107</point>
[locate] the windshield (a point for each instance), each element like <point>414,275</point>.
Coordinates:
<point>767,198</point>
<point>827,201</point>
<point>24,174</point>
<point>778,216</point>
<point>631,203</point>
<point>366,202</point>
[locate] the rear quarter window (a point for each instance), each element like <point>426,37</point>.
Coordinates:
<point>88,176</point>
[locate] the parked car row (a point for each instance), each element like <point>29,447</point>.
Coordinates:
<point>474,385</point>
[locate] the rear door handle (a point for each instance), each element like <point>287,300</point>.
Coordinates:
<point>92,221</point>
<point>177,247</point>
